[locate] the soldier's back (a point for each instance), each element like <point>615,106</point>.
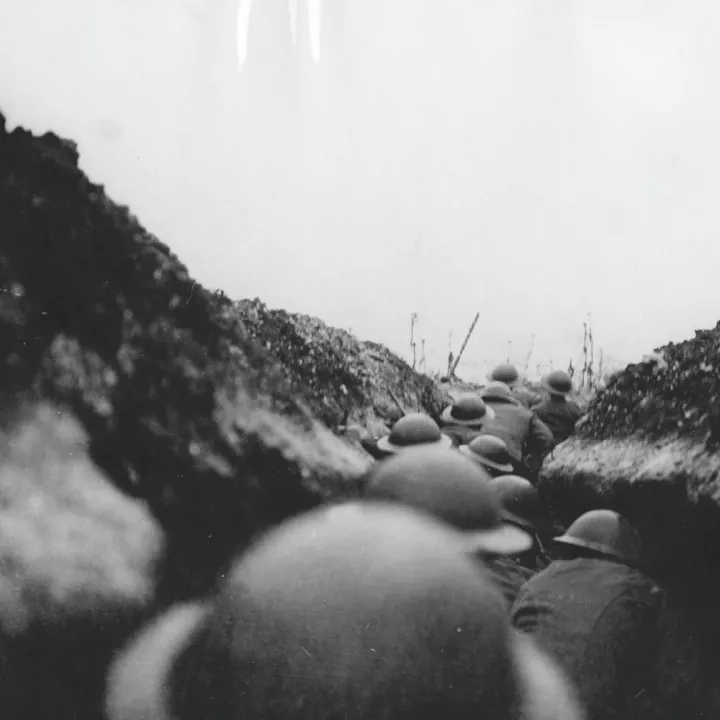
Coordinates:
<point>598,618</point>
<point>560,416</point>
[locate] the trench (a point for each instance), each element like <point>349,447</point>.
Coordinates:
<point>682,541</point>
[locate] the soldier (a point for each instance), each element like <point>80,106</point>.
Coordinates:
<point>527,437</point>
<point>463,420</point>
<point>491,452</point>
<point>556,411</point>
<point>360,611</point>
<point>508,375</point>
<point>410,431</point>
<point>598,613</point>
<point>456,491</point>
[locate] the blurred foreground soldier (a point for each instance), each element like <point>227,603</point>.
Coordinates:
<point>521,502</point>
<point>410,431</point>
<point>556,411</point>
<point>597,613</point>
<point>508,375</point>
<point>491,452</point>
<point>357,612</point>
<point>463,420</point>
<point>527,437</point>
<point>456,491</point>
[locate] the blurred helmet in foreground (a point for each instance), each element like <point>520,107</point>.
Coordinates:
<point>449,487</point>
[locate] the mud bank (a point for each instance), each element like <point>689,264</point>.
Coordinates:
<point>648,448</point>
<point>343,380</point>
<point>167,433</point>
<point>649,444</point>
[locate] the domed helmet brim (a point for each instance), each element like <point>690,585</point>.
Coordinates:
<point>493,396</point>
<point>504,539</point>
<point>549,388</point>
<point>450,419</point>
<point>138,679</point>
<point>385,445</point>
<point>595,547</point>
<point>465,450</point>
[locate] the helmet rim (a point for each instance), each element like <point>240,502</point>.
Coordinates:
<point>385,444</point>
<point>449,417</point>
<point>482,460</point>
<point>599,548</point>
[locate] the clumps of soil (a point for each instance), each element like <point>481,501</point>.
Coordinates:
<point>648,449</point>
<point>342,379</point>
<point>77,568</point>
<point>201,419</point>
<point>674,391</point>
<point>70,542</point>
<point>178,401</point>
<point>649,440</point>
<point>669,490</point>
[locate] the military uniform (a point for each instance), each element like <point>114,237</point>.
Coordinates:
<point>521,429</point>
<point>599,619</point>
<point>560,415</point>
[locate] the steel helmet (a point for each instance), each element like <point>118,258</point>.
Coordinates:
<point>497,391</point>
<point>520,499</point>
<point>557,382</point>
<point>138,685</point>
<point>468,410</point>
<point>360,611</point>
<point>489,451</point>
<point>504,373</point>
<point>606,533</point>
<point>452,489</point>
<point>413,429</point>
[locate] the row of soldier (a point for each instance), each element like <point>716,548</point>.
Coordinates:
<point>518,428</point>
<point>445,592</point>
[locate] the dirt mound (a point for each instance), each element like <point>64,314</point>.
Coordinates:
<point>342,379</point>
<point>77,568</point>
<point>674,391</point>
<point>655,421</point>
<point>184,412</point>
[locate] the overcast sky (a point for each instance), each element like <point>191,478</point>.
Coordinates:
<point>533,161</point>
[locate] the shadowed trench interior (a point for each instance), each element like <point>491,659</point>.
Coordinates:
<point>681,541</point>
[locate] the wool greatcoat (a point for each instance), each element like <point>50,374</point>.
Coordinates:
<point>599,619</point>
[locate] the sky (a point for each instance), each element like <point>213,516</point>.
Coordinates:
<point>534,162</point>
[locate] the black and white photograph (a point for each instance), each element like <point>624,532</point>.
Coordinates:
<point>359,360</point>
